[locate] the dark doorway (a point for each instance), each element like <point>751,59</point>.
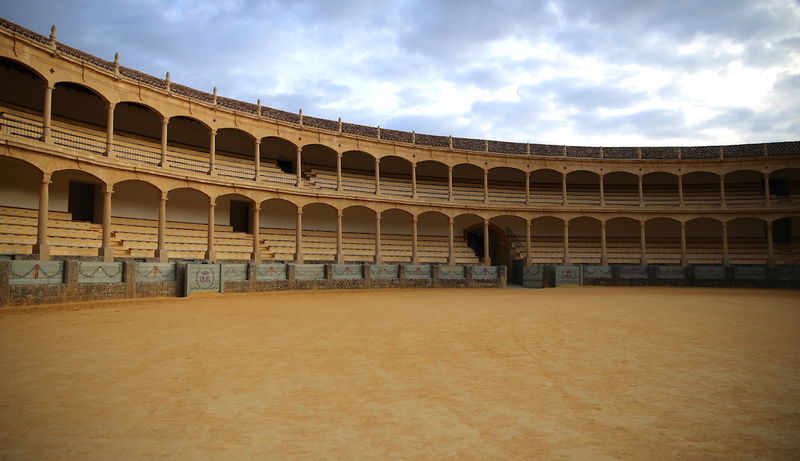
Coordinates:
<point>474,238</point>
<point>287,166</point>
<point>81,201</point>
<point>240,216</point>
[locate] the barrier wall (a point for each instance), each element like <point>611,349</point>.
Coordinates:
<point>26,282</point>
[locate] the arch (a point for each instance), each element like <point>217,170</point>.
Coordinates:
<point>234,210</point>
<point>511,244</point>
<point>784,185</point>
<point>663,240</point>
<point>547,240</point>
<point>395,176</point>
<point>623,240</point>
<point>76,102</point>
<point>704,241</point>
<point>546,187</point>
<point>747,241</point>
<point>135,198</point>
<point>468,183</point>
<point>137,132</point>
<point>21,85</point>
<point>20,183</point>
<point>432,180</point>
<point>621,188</point>
<point>583,187</point>
<point>278,160</point>
<point>701,188</point>
<point>584,240</point>
<point>506,185</point>
<point>319,232</point>
<point>786,239</point>
<point>358,223</point>
<point>235,153</point>
<point>660,189</point>
<point>319,164</point>
<point>358,171</point>
<point>188,144</point>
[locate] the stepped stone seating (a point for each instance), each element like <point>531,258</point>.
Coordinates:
<point>19,227</point>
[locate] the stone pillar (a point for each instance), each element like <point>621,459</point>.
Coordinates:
<point>377,176</point>
<point>378,258</point>
<point>722,200</point>
<point>563,188</point>
<point>338,171</point>
<point>47,113</point>
<point>528,224</point>
<point>161,250</point>
<point>212,153</point>
<point>106,251</point>
<point>42,247</point>
<point>767,199</point>
<point>603,249</point>
<point>566,241</point>
<point>414,248</point>
<point>725,260</point>
<point>487,260</point>
<point>602,191</point>
<point>527,188</point>
<point>641,191</point>
<point>164,129</point>
<point>110,130</point>
<point>684,256</point>
<point>339,246</point>
<point>298,165</point>
<point>256,218</point>
<point>211,253</point>
<point>449,184</point>
<point>451,256</point>
<point>642,242</point>
<point>413,180</point>
<point>485,186</point>
<point>770,249</point>
<point>298,237</point>
<point>680,190</point>
<point>257,154</point>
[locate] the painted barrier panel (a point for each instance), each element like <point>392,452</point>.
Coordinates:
<point>597,272</point>
<point>533,276</point>
<point>633,272</point>
<point>36,272</point>
<point>309,271</point>
<point>568,275</point>
<point>384,271</point>
<point>96,272</point>
<point>749,272</point>
<point>709,272</point>
<point>485,272</point>
<point>203,277</point>
<point>347,271</point>
<point>236,272</point>
<point>268,271</point>
<point>670,272</point>
<point>451,272</point>
<point>418,271</point>
<point>786,273</point>
<point>155,272</point>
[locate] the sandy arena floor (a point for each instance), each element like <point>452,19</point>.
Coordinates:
<point>568,373</point>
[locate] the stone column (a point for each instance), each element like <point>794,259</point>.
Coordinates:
<point>680,190</point>
<point>642,240</point>
<point>451,256</point>
<point>256,218</point>
<point>110,130</point>
<point>47,113</point>
<point>725,260</point>
<point>563,188</point>
<point>413,180</point>
<point>377,176</point>
<point>485,186</point>
<point>106,251</point>
<point>722,200</point>
<point>298,164</point>
<point>487,260</point>
<point>211,253</point>
<point>212,153</point>
<point>527,188</point>
<point>338,171</point>
<point>767,199</point>
<point>528,224</point>
<point>641,191</point>
<point>378,258</point>
<point>42,247</point>
<point>414,248</point>
<point>603,249</point>
<point>449,184</point>
<point>566,241</point>
<point>602,191</point>
<point>164,128</point>
<point>770,249</point>
<point>339,246</point>
<point>298,237</point>
<point>161,250</point>
<point>684,256</point>
<point>257,153</point>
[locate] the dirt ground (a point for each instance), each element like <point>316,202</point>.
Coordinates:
<point>567,373</point>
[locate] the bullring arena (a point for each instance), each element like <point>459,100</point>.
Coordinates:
<point>189,275</point>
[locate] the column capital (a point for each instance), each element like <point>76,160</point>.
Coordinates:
<point>165,121</point>
<point>47,178</point>
<point>299,210</point>
<point>213,132</point>
<point>212,203</point>
<point>449,168</point>
<point>683,224</point>
<point>108,189</point>
<point>414,218</point>
<point>377,216</point>
<point>451,220</point>
<point>256,207</point>
<point>164,196</point>
<point>111,105</point>
<point>339,213</point>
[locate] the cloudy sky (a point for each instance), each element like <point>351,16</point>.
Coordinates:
<point>580,72</point>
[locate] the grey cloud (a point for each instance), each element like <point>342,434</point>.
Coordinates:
<point>584,95</point>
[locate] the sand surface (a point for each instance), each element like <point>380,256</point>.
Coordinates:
<point>568,373</point>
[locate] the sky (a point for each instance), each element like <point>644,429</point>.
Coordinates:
<point>576,72</point>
